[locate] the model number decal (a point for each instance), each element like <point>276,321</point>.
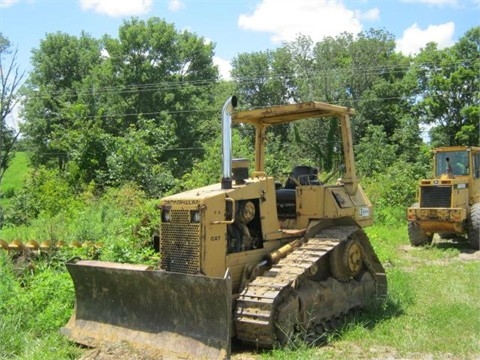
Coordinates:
<point>364,212</point>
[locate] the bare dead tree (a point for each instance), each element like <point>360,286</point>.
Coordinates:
<point>10,80</point>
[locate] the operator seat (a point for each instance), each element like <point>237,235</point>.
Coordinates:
<point>300,175</point>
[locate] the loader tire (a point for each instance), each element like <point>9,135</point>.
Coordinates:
<point>474,227</point>
<point>417,236</point>
<point>445,235</point>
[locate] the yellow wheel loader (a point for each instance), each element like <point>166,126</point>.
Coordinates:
<point>245,258</point>
<point>448,204</point>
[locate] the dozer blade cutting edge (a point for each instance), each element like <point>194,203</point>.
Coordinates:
<point>164,315</point>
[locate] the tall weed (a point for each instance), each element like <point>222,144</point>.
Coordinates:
<point>36,299</point>
<point>391,192</point>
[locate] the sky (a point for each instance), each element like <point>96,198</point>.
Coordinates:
<point>243,26</point>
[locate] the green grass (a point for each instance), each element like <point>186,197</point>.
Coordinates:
<point>437,317</point>
<point>14,176</point>
<point>432,310</point>
<point>33,308</point>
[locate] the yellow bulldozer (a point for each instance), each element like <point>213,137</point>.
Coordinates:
<point>245,258</point>
<point>449,203</point>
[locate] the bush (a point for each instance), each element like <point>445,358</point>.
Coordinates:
<point>8,193</point>
<point>36,299</point>
<point>44,192</point>
<point>392,191</point>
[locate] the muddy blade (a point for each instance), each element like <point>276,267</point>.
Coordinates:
<point>159,313</point>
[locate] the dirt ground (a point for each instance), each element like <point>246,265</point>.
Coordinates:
<point>122,352</point>
<point>466,253</point>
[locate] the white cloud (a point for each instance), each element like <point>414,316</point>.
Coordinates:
<point>7,3</point>
<point>224,67</point>
<point>414,38</point>
<point>434,2</point>
<point>116,8</point>
<point>176,5</point>
<point>371,15</point>
<point>286,19</point>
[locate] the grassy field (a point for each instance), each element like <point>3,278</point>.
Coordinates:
<point>432,310</point>
<point>13,178</point>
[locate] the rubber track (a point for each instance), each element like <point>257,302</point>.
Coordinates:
<point>256,305</point>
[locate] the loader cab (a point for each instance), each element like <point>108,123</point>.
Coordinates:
<point>459,163</point>
<point>452,163</point>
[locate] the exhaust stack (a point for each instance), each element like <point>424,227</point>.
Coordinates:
<point>227,110</point>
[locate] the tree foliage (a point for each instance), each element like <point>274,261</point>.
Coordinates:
<point>144,107</point>
<point>53,112</point>
<point>112,110</point>
<point>448,86</point>
<point>364,72</point>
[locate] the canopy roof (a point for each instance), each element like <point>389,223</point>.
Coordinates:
<point>281,114</point>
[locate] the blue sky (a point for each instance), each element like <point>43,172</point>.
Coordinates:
<point>238,26</point>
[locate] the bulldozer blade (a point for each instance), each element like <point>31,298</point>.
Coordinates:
<point>164,315</point>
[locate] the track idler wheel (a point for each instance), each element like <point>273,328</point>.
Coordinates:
<point>346,260</point>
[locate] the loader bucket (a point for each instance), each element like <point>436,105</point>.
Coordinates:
<point>161,314</point>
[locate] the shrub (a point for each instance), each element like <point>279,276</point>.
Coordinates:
<point>45,192</point>
<point>392,191</point>
<point>8,192</point>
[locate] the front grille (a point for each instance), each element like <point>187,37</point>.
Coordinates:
<point>180,244</point>
<point>435,196</point>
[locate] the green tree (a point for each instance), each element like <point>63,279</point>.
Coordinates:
<point>375,84</point>
<point>375,154</point>
<point>52,95</point>
<point>331,59</point>
<point>163,75</point>
<point>363,72</point>
<point>448,90</point>
<point>90,103</point>
<point>133,159</point>
<point>261,79</point>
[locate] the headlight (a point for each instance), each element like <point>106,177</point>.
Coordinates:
<point>166,214</point>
